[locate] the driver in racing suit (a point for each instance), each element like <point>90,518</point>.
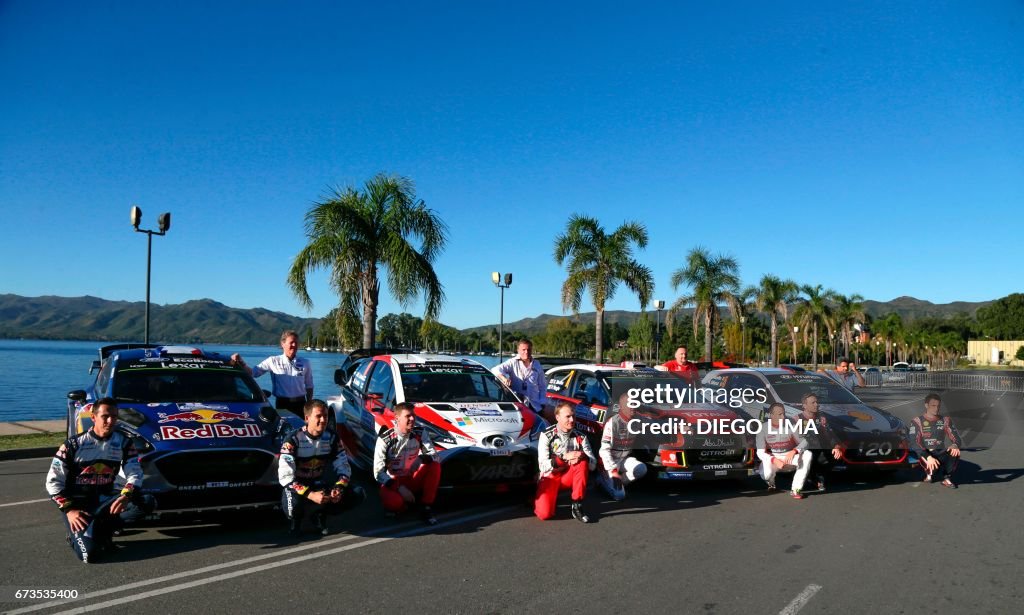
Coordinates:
<point>405,464</point>
<point>93,479</point>
<point>822,441</point>
<point>779,448</point>
<point>564,456</point>
<point>315,473</point>
<point>928,434</point>
<point>618,467</point>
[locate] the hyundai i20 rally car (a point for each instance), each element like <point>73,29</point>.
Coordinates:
<point>206,436</point>
<point>870,438</point>
<point>485,437</point>
<point>595,389</point>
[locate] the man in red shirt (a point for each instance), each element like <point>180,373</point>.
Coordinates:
<point>680,366</point>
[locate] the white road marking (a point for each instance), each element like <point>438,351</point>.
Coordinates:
<point>801,599</point>
<point>897,404</point>
<point>417,528</point>
<point>26,502</point>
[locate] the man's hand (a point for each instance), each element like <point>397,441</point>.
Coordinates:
<point>778,463</point>
<point>954,451</point>
<point>406,495</point>
<point>335,495</point>
<point>505,380</point>
<point>614,473</point>
<point>572,457</point>
<point>317,497</point>
<point>78,520</point>
<point>118,506</point>
<point>789,457</point>
<point>837,452</point>
<point>931,463</point>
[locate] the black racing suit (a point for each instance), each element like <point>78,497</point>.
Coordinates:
<point>928,437</point>
<point>311,464</point>
<point>820,444</point>
<point>87,474</point>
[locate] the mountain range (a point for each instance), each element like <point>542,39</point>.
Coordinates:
<point>208,321</point>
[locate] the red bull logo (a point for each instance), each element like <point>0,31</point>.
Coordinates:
<point>203,415</point>
<point>168,432</point>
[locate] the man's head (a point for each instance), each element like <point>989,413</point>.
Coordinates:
<point>525,350</point>
<point>290,343</point>
<point>776,413</point>
<point>932,404</point>
<point>565,416</point>
<point>810,403</point>
<point>104,416</point>
<point>680,354</point>
<point>843,365</point>
<point>624,410</point>
<point>405,417</point>
<point>316,413</point>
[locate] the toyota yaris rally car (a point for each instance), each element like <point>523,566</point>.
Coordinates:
<point>207,438</point>
<point>870,438</point>
<point>485,437</point>
<point>595,389</point>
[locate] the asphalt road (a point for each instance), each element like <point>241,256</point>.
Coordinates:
<point>871,544</point>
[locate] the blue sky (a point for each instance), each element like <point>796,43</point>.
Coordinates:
<point>871,147</point>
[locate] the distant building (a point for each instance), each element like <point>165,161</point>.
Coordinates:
<point>994,352</point>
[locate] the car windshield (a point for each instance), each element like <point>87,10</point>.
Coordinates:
<point>151,385</point>
<point>453,386</point>
<point>791,388</point>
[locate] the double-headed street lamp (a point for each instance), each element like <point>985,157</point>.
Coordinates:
<point>497,279</point>
<point>659,305</point>
<point>163,222</point>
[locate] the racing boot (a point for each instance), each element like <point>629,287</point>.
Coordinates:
<point>294,526</point>
<point>578,514</point>
<point>427,514</point>
<point>320,522</point>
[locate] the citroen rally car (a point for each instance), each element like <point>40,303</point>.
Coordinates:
<point>485,437</point>
<point>594,390</point>
<point>871,438</point>
<point>207,438</point>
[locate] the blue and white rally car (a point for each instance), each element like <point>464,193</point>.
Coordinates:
<point>207,438</point>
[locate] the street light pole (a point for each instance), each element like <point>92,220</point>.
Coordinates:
<point>743,337</point>
<point>163,222</point>
<point>497,279</point>
<point>659,305</point>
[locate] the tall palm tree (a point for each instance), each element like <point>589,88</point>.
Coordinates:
<point>598,263</point>
<point>847,311</point>
<point>772,296</point>
<point>714,280</point>
<point>889,328</point>
<point>356,234</point>
<point>813,311</point>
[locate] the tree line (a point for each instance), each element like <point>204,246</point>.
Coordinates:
<point>383,232</point>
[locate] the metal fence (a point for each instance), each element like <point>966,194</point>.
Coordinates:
<point>1013,383</point>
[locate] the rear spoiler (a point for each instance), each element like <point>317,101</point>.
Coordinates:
<point>106,351</point>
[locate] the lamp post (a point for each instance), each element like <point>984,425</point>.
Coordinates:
<point>497,279</point>
<point>659,305</point>
<point>743,338</point>
<point>796,330</point>
<point>163,222</point>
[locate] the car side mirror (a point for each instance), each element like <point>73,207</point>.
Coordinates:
<point>266,394</point>
<point>340,377</point>
<point>77,395</point>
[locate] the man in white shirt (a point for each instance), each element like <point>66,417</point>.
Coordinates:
<point>292,376</point>
<point>525,376</point>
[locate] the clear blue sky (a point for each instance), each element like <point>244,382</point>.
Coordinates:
<point>873,147</point>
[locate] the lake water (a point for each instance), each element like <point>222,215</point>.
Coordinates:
<point>36,375</point>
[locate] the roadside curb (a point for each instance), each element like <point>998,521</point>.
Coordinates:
<point>27,453</point>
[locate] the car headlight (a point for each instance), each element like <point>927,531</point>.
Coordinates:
<point>437,435</point>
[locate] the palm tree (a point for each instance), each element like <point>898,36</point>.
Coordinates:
<point>847,312</point>
<point>355,234</point>
<point>772,296</point>
<point>813,311</point>
<point>714,281</point>
<point>890,329</point>
<point>598,263</point>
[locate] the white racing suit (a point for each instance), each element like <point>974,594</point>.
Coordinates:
<point>772,446</point>
<point>616,462</point>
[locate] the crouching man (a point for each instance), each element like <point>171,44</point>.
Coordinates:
<point>94,479</point>
<point>565,458</point>
<point>315,472</point>
<point>929,434</point>
<point>405,464</point>
<point>619,468</point>
<point>780,451</point>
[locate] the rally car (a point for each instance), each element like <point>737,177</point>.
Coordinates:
<point>206,435</point>
<point>871,438</point>
<point>486,438</point>
<point>719,453</point>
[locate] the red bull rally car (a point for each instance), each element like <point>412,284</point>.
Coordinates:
<point>485,437</point>
<point>594,390</point>
<point>207,438</point>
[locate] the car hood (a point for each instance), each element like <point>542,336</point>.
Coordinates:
<point>197,424</point>
<point>857,418</point>
<point>477,419</point>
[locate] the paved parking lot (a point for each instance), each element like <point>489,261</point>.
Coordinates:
<point>871,544</point>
